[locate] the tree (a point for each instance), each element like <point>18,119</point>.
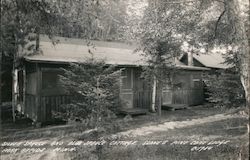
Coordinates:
<point>240,41</point>
<point>92,19</point>
<point>164,28</point>
<point>19,19</point>
<point>94,88</point>
<point>229,30</point>
<point>203,25</point>
<point>225,89</point>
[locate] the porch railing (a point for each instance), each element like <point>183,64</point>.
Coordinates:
<point>142,99</point>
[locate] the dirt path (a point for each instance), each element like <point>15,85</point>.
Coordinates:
<point>143,131</point>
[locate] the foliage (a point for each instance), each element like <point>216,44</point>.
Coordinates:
<point>91,19</point>
<point>21,23</point>
<point>94,87</point>
<point>225,89</point>
<point>164,28</point>
<point>203,25</point>
<point>21,18</point>
<point>82,19</point>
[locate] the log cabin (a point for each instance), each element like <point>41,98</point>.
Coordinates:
<point>39,92</point>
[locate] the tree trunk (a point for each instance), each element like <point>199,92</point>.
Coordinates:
<point>14,92</point>
<point>1,54</point>
<point>159,88</point>
<point>159,95</point>
<point>240,40</point>
<point>0,85</point>
<point>153,95</point>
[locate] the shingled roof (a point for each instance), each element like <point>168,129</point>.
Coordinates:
<point>77,50</point>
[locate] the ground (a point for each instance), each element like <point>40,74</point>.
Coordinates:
<point>195,133</point>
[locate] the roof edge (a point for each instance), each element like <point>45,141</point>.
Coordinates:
<point>192,68</point>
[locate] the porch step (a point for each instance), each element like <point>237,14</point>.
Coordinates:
<point>132,111</point>
<point>174,107</point>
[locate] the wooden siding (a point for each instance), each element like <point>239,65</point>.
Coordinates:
<point>190,97</point>
<point>183,96</point>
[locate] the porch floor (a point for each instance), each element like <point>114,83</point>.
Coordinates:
<point>174,106</point>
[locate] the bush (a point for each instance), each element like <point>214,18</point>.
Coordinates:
<point>94,88</point>
<point>224,88</point>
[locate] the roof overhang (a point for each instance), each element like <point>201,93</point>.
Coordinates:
<point>194,68</point>
<point>72,60</point>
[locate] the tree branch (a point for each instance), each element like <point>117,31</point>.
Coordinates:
<point>180,2</point>
<point>217,22</point>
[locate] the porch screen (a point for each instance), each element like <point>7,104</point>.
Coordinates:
<point>50,80</point>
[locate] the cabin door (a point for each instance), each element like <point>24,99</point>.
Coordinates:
<point>126,92</point>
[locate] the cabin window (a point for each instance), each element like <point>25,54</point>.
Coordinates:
<point>127,79</point>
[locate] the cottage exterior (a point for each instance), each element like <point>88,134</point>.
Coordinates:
<point>40,93</point>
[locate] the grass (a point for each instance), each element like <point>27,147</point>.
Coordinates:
<point>216,131</point>
<point>233,129</point>
<point>24,129</point>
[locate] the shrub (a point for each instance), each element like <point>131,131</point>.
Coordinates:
<point>224,88</point>
<point>94,88</point>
